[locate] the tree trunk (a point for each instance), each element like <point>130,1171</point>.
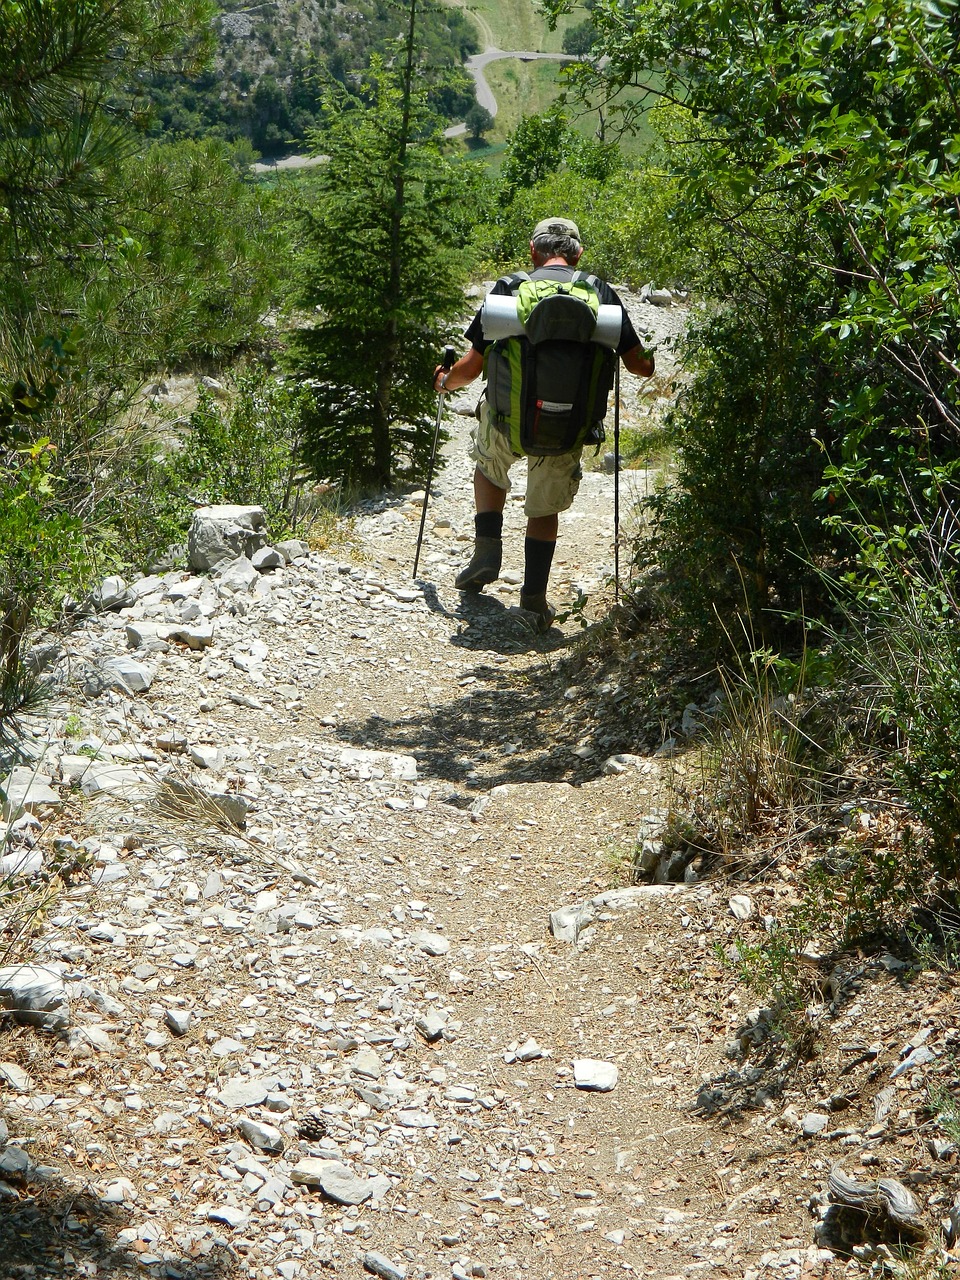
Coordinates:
<point>382,448</point>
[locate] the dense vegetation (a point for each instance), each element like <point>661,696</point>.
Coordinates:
<point>115,262</point>
<point>809,536</point>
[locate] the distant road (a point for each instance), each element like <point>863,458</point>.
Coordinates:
<point>475,65</point>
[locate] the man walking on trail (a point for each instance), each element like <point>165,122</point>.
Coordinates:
<point>552,481</point>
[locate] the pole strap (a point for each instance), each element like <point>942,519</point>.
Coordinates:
<point>616,484</point>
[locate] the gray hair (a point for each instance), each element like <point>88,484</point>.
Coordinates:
<point>554,245</point>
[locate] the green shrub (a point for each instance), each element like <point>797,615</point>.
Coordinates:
<point>904,640</point>
<point>246,451</point>
<point>42,542</point>
<point>738,532</point>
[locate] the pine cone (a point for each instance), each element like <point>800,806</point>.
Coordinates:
<point>312,1127</point>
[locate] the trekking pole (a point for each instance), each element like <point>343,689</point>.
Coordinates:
<point>616,484</point>
<point>449,355</point>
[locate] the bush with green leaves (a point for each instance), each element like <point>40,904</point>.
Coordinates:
<point>42,551</point>
<point>820,142</point>
<point>631,219</point>
<point>245,451</point>
<point>43,547</point>
<point>737,535</point>
<point>42,541</point>
<point>902,641</point>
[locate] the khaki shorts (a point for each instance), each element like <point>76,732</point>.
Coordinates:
<point>552,483</point>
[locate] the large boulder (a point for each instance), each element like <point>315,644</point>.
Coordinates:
<point>224,533</point>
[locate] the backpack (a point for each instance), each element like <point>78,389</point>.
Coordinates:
<point>547,389</point>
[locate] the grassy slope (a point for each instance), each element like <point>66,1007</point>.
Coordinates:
<point>529,87</point>
<point>526,88</point>
<point>511,24</point>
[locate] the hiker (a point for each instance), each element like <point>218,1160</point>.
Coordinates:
<point>553,480</point>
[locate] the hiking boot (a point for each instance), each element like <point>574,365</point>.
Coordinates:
<point>483,568</point>
<point>541,608</point>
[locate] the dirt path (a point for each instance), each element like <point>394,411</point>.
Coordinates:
<point>360,991</point>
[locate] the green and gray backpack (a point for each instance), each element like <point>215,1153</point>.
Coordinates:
<point>547,387</point>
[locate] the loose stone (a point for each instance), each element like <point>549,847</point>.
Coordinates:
<point>126,674</point>
<point>812,1123</point>
<point>246,1091</point>
<point>433,944</point>
<point>230,1214</point>
<point>334,1179</point>
<point>264,1137</point>
<point>741,906</point>
<point>431,1026</point>
<point>35,995</point>
<point>595,1076</point>
<point>383,1267</point>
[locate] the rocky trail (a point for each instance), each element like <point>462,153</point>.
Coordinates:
<point>344,978</point>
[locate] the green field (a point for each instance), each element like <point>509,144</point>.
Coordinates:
<point>512,24</point>
<point>528,88</point>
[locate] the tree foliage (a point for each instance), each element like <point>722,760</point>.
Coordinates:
<point>478,121</point>
<point>548,166</point>
<point>822,147</point>
<point>382,268</point>
<point>580,39</point>
<point>535,149</point>
<point>57,138</point>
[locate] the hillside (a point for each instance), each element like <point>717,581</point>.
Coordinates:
<point>272,62</point>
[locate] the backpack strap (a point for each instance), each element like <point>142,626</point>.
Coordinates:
<point>514,281</point>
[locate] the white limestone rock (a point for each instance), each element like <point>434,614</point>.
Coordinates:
<point>24,790</point>
<point>236,576</point>
<point>108,778</point>
<point>126,674</point>
<point>264,1137</point>
<point>219,534</point>
<point>35,995</point>
<point>595,1076</point>
<point>267,558</point>
<point>335,1179</point>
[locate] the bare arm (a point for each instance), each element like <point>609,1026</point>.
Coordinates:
<point>467,368</point>
<point>638,361</point>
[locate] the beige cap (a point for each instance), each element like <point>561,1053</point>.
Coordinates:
<point>556,227</point>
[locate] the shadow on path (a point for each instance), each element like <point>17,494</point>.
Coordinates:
<point>499,729</point>
<point>50,1230</point>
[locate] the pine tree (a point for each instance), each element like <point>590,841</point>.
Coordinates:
<point>382,268</point>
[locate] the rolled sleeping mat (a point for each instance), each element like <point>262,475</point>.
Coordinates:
<point>609,324</point>
<point>499,319</point>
